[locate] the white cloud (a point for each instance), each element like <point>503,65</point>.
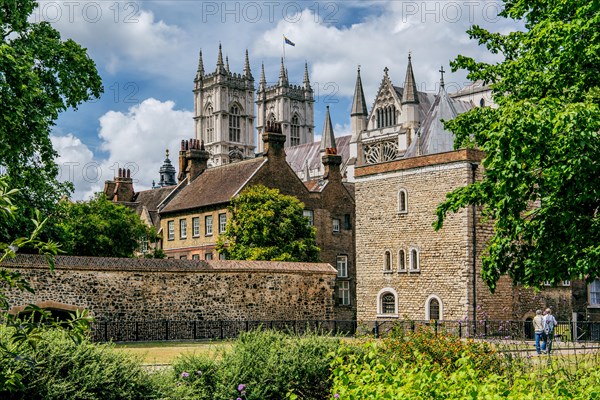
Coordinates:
<point>119,35</point>
<point>136,140</point>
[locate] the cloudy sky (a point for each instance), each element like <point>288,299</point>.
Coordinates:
<point>147,55</point>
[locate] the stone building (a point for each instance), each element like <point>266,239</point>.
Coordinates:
<point>195,212</point>
<point>403,163</point>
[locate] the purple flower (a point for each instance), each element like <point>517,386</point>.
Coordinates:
<point>239,398</point>
<point>336,396</point>
<point>184,374</point>
<point>241,387</point>
<point>199,372</point>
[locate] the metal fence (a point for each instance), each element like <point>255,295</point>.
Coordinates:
<point>164,330</point>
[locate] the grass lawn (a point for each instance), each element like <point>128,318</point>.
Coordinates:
<point>166,352</point>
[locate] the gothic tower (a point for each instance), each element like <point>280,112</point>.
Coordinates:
<point>290,105</point>
<point>224,111</point>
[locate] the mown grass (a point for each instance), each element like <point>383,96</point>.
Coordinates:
<point>167,352</point>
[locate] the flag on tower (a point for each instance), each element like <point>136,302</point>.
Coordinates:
<point>288,41</point>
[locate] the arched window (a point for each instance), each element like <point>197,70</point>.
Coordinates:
<point>295,131</point>
<point>414,260</point>
<point>433,308</point>
<point>481,102</point>
<point>388,303</point>
<point>402,203</point>
<point>387,261</point>
<point>393,115</point>
<point>234,124</point>
<point>378,113</point>
<point>210,125</point>
<point>401,261</point>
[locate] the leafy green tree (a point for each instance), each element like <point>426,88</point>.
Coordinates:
<point>541,186</point>
<point>40,76</point>
<point>101,228</point>
<point>267,225</point>
<point>23,335</point>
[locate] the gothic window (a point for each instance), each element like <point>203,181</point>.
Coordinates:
<point>481,102</point>
<point>434,309</point>
<point>390,151</point>
<point>371,153</point>
<point>295,131</point>
<point>387,261</point>
<point>402,205</point>
<point>414,260</point>
<point>401,261</point>
<point>234,124</point>
<point>210,125</point>
<point>393,115</point>
<point>379,118</point>
<point>388,303</point>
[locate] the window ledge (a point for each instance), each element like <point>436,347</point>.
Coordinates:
<point>594,306</point>
<point>401,212</point>
<point>414,271</point>
<point>388,272</point>
<point>402,271</point>
<point>387,315</point>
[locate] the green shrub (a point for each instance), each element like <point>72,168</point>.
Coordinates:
<point>191,377</point>
<point>271,364</point>
<point>58,368</point>
<point>443,350</point>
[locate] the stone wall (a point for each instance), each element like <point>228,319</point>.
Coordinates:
<point>145,289</point>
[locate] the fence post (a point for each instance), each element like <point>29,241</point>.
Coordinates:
<point>221,335</point>
<point>166,329</point>
<point>459,329</point>
<point>137,336</point>
<point>485,328</point>
<point>106,331</point>
<point>435,326</point>
<point>376,330</point>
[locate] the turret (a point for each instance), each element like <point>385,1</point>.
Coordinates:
<point>410,100</point>
<point>358,113</point>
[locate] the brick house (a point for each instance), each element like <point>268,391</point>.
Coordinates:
<point>192,214</point>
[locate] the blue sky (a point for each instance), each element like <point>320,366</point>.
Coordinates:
<point>147,55</point>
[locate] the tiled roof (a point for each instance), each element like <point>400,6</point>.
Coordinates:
<point>434,138</point>
<point>149,264</point>
<point>216,185</point>
<point>425,101</point>
<point>310,153</point>
<point>474,87</point>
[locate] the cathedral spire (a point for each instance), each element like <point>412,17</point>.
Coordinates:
<point>409,95</point>
<point>328,138</point>
<point>200,72</point>
<point>227,64</point>
<point>306,81</point>
<point>262,85</point>
<point>282,74</point>
<point>247,72</point>
<point>359,105</point>
<point>220,67</point>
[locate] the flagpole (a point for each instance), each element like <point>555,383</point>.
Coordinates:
<point>283,47</point>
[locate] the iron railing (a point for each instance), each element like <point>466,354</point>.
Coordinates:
<point>165,330</point>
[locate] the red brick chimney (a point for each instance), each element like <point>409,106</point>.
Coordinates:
<point>274,141</point>
<point>331,161</point>
<point>193,159</point>
<point>121,189</point>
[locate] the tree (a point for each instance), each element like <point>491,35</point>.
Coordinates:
<point>267,225</point>
<point>101,228</point>
<point>23,335</point>
<point>40,76</point>
<point>541,185</point>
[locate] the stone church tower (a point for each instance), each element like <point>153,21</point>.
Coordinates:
<point>224,111</point>
<point>290,105</point>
